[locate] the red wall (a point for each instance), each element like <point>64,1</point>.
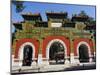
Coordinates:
<point>49,38</point>
<point>45,42</point>
<point>22,41</point>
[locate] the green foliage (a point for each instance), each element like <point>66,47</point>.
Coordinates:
<point>19,5</point>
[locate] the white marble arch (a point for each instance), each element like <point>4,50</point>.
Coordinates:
<point>21,49</point>
<point>51,42</point>
<point>89,49</point>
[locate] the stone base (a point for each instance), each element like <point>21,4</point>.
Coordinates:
<point>20,63</point>
<point>66,61</point>
<point>76,61</point>
<point>33,63</point>
<point>45,62</point>
<point>15,64</point>
<point>90,60</point>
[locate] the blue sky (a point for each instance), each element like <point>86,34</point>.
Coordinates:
<point>36,7</point>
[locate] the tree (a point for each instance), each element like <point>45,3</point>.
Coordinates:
<point>82,13</point>
<point>19,5</point>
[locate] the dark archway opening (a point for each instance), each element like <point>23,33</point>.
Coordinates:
<point>27,55</point>
<point>56,53</point>
<point>83,53</point>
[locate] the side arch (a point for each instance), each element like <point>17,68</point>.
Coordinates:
<point>26,41</point>
<point>21,50</point>
<point>86,44</point>
<point>79,41</point>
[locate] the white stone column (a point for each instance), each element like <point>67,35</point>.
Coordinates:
<point>20,63</point>
<point>42,61</point>
<point>39,59</point>
<point>72,60</point>
<point>12,59</point>
<point>76,60</point>
<point>90,58</point>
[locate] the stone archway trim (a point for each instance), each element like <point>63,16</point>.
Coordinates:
<point>49,45</point>
<point>21,49</point>
<point>24,41</point>
<point>47,40</point>
<point>85,43</point>
<point>79,41</point>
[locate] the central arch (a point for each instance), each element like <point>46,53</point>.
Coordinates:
<point>57,52</point>
<point>56,42</point>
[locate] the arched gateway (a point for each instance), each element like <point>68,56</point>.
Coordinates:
<point>27,55</point>
<point>83,53</point>
<point>56,51</point>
